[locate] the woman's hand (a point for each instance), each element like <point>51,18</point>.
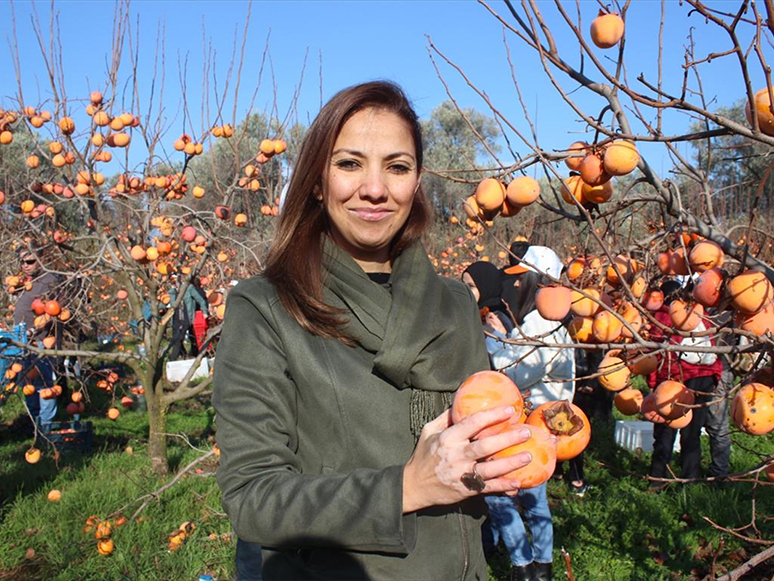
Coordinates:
<point>433,474</point>
<point>493,321</point>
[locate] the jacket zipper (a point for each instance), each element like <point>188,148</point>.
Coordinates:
<point>465,544</point>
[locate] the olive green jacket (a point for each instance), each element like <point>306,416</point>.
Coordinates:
<point>313,448</point>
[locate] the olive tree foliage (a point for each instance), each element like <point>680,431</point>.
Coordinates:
<point>455,143</point>
<point>736,167</point>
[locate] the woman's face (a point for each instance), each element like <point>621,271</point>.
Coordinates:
<point>471,284</point>
<point>369,185</point>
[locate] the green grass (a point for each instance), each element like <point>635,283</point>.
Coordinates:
<point>100,484</point>
<point>618,531</point>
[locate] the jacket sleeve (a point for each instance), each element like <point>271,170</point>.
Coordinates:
<point>268,497</point>
<point>201,301</point>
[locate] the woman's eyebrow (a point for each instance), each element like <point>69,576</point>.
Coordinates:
<point>358,153</point>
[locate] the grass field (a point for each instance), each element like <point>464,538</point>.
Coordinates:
<point>618,531</point>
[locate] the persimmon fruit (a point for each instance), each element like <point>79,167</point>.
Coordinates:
<point>752,410</point>
<point>671,399</point>
<point>685,316</point>
<point>485,390</point>
<point>621,157</point>
<point>607,30</point>
<point>542,446</point>
<point>614,374</point>
<point>567,422</point>
<point>628,401</point>
<point>705,255</point>
<point>522,191</point>
<point>553,302</point>
<point>750,291</point>
<point>763,108</point>
<point>490,195</point>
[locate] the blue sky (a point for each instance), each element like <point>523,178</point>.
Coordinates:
<point>350,41</point>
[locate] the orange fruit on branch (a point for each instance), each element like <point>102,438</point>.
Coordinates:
<point>592,170</point>
<point>614,374</point>
<point>763,108</point>
<point>758,323</point>
<point>585,306</point>
<point>574,188</point>
<point>581,329</point>
<point>671,398</point>
<point>599,194</point>
<point>32,455</point>
<point>490,194</point>
<point>752,410</point>
<point>578,152</point>
<point>67,125</point>
<point>628,401</point>
<point>709,287</point>
<point>522,191</point>
<point>705,255</point>
<point>607,30</point>
<point>750,291</point>
<point>621,157</point>
<point>606,327</point>
<point>553,302</point>
<point>649,412</point>
<point>685,316</point>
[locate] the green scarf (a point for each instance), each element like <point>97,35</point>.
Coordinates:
<point>421,335</point>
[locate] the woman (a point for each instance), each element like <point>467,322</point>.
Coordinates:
<point>336,367</point>
<point>542,374</point>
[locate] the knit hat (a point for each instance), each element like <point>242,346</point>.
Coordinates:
<point>488,280</point>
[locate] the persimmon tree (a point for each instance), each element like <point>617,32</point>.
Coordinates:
<point>121,190</point>
<point>628,227</point>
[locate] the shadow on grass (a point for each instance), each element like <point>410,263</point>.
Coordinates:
<point>34,569</point>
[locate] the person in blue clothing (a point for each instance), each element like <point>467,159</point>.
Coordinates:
<point>40,285</point>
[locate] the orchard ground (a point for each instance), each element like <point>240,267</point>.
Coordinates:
<point>618,531</point>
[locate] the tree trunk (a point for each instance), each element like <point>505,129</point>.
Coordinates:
<point>157,428</point>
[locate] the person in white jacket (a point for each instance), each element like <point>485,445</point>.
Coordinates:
<point>546,373</point>
<point>542,373</point>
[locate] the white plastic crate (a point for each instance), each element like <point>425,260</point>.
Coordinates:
<point>637,434</point>
<point>632,435</point>
<point>176,370</point>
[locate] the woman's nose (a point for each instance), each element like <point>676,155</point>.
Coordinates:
<point>374,186</point>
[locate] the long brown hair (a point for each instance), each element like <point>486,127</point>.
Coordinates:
<point>294,262</point>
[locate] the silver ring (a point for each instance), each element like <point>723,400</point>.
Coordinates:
<point>472,480</point>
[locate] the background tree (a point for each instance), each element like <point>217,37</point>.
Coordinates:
<point>120,203</point>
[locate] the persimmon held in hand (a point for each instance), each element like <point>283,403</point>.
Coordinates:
<point>542,446</point>
<point>485,390</point>
<point>567,422</point>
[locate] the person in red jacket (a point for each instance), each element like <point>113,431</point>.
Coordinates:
<point>700,373</point>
